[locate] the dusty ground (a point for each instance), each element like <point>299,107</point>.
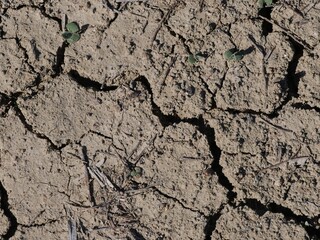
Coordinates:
<point>118,136</point>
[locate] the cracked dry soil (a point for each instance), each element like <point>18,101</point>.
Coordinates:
<point>118,136</point>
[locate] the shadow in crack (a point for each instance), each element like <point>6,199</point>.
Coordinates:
<point>305,107</point>
<point>291,83</point>
<point>165,120</point>
<point>211,224</point>
<point>293,78</point>
<point>88,83</point>
<point>309,224</point>
<point>4,205</point>
<point>136,234</point>
<point>216,152</point>
<point>266,26</point>
<point>57,68</point>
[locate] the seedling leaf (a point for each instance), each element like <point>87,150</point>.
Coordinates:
<point>136,172</point>
<point>228,54</point>
<point>261,3</point>
<point>66,35</point>
<point>193,59</point>
<point>268,2</point>
<point>74,38</point>
<point>72,27</point>
<point>233,54</point>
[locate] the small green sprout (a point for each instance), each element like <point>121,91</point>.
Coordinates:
<point>268,3</point>
<point>72,34</point>
<point>233,54</point>
<point>194,58</point>
<point>136,172</point>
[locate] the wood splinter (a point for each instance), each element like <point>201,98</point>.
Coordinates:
<point>88,179</point>
<point>101,178</point>
<point>299,161</point>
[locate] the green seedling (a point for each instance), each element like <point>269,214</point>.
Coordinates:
<point>136,172</point>
<point>71,35</point>
<point>194,58</point>
<point>233,54</point>
<point>268,3</point>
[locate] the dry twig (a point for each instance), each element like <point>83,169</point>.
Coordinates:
<point>101,178</point>
<point>166,74</point>
<point>287,32</point>
<point>85,161</point>
<point>276,126</point>
<point>72,225</point>
<point>72,229</point>
<point>300,161</point>
<point>165,18</point>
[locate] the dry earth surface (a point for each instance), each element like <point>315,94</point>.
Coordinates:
<point>119,136</point>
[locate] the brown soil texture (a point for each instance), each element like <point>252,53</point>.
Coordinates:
<point>120,136</point>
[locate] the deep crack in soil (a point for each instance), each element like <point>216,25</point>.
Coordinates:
<point>165,120</point>
<point>292,78</point>
<point>212,223</point>
<point>309,224</point>
<point>29,127</point>
<point>206,130</point>
<point>266,26</point>
<point>4,204</point>
<point>254,204</point>
<point>89,83</point>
